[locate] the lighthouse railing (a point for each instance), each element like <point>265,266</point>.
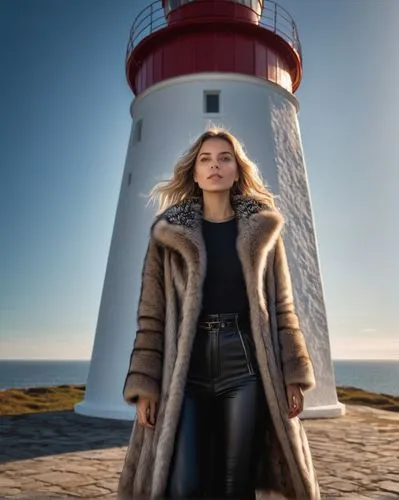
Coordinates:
<point>274,18</point>
<point>147,21</point>
<point>278,20</point>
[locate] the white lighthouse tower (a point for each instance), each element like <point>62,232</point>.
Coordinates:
<point>235,63</point>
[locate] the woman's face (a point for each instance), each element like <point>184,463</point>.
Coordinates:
<point>215,167</point>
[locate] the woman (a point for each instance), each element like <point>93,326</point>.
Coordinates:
<point>219,364</point>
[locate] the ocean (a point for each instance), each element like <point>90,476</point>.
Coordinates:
<point>376,376</point>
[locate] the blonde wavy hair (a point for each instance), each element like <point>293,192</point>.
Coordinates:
<point>182,186</point>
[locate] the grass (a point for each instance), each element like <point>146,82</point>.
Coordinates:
<point>355,396</point>
<point>40,399</point>
<point>64,397</point>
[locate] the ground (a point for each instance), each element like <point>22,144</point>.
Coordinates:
<point>59,453</point>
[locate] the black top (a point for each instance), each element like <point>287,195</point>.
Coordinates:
<point>224,289</point>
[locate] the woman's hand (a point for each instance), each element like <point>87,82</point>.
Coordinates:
<point>146,411</point>
<point>295,400</point>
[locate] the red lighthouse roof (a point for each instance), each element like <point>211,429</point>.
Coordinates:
<point>171,38</point>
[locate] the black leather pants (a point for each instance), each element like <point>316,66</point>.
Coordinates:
<point>215,448</point>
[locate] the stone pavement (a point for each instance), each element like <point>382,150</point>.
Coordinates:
<point>62,454</point>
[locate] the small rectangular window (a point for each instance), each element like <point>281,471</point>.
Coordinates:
<point>137,131</point>
<point>129,179</point>
<point>212,101</point>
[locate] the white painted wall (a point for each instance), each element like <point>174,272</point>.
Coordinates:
<point>263,116</point>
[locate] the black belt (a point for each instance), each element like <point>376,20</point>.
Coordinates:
<point>222,320</point>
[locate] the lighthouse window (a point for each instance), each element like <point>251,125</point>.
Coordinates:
<point>212,104</point>
<point>137,131</point>
<point>254,4</point>
<point>174,4</point>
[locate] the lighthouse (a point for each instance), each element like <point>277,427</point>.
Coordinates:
<point>189,63</point>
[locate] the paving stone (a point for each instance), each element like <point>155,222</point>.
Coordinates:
<point>17,473</point>
<point>386,459</point>
<point>6,482</point>
<point>32,485</point>
<point>111,485</point>
<point>95,490</point>
<point>343,486</point>
<point>64,478</point>
<point>353,475</point>
<point>359,497</point>
<point>77,468</point>
<point>390,486</point>
<point>48,490</point>
<point>61,454</point>
<point>10,491</point>
<point>382,494</point>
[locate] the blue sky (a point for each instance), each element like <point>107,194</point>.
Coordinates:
<point>64,134</point>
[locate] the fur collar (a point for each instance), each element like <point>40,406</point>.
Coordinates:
<point>179,227</point>
<point>190,211</point>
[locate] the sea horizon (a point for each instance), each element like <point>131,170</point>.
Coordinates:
<point>373,375</point>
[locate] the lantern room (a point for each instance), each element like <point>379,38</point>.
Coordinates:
<point>172,38</point>
<point>176,10</point>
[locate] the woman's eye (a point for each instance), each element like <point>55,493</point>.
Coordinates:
<point>224,158</point>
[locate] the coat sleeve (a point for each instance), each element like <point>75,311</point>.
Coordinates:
<point>146,360</point>
<point>296,363</point>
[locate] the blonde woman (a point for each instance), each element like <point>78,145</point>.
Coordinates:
<point>219,364</point>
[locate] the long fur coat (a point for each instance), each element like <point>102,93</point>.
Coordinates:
<point>170,302</point>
